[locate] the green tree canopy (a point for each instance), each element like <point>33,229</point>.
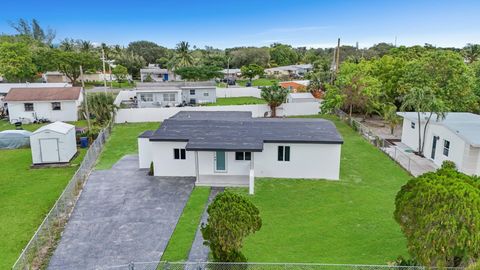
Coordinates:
<point>252,70</point>
<point>69,63</point>
<point>131,61</point>
<point>439,213</point>
<point>275,95</point>
<point>120,72</point>
<point>232,217</point>
<point>249,55</point>
<point>16,62</point>
<point>283,55</point>
<point>199,73</point>
<point>34,30</point>
<point>149,51</point>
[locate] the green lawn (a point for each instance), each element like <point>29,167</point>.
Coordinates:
<point>26,196</point>
<point>181,241</point>
<point>237,101</point>
<point>258,82</point>
<point>122,142</point>
<point>347,221</point>
<point>5,125</point>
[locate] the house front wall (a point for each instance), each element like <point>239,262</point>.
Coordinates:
<point>471,159</point>
<point>200,95</point>
<point>68,111</point>
<point>158,99</point>
<point>164,163</point>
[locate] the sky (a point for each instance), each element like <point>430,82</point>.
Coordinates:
<point>224,24</point>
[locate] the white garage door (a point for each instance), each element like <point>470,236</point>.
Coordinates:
<point>49,150</point>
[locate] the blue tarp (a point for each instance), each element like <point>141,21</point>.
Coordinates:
<point>12,139</point>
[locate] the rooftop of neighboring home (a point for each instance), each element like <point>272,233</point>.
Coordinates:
<point>169,86</point>
<point>43,94</point>
<point>238,131</point>
<point>302,95</point>
<point>291,67</point>
<point>154,69</point>
<point>231,71</point>
<point>5,87</point>
<point>465,125</point>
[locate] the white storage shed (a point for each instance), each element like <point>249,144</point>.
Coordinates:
<point>300,97</point>
<point>53,143</point>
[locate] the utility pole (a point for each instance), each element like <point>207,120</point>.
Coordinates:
<point>337,60</point>
<point>110,71</point>
<point>104,78</point>
<point>228,71</point>
<point>85,99</point>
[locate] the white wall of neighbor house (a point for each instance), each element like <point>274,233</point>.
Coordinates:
<point>144,153</point>
<point>160,114</point>
<point>164,163</point>
<point>410,133</point>
<point>471,159</point>
<point>206,95</point>
<point>312,161</point>
<point>44,109</point>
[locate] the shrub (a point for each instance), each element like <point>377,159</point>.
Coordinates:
<point>449,165</point>
<point>232,217</point>
<point>150,171</point>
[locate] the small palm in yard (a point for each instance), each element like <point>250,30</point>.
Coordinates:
<point>390,116</point>
<point>101,106</point>
<point>275,95</point>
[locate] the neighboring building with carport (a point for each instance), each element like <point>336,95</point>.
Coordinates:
<point>53,143</point>
<point>231,148</point>
<point>53,104</point>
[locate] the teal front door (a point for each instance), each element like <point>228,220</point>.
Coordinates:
<point>220,161</point>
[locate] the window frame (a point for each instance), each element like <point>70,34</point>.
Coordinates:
<point>446,147</point>
<point>412,125</point>
<point>243,156</point>
<point>144,95</point>
<point>169,95</point>
<point>54,108</point>
<point>283,153</point>
<point>179,154</point>
<point>205,94</point>
<point>192,92</point>
<point>28,104</point>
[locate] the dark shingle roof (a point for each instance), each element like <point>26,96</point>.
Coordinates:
<point>237,131</point>
<point>43,94</point>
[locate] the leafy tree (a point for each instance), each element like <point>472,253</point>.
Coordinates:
<point>389,112</point>
<point>84,46</point>
<point>231,219</point>
<point>101,107</point>
<point>246,56</point>
<point>439,213</point>
<point>69,63</point>
<point>389,71</point>
<point>251,71</point>
<point>131,61</point>
<point>120,72</point>
<point>68,45</point>
<point>275,95</point>
<point>199,73</point>
<point>283,55</point>
<point>423,101</point>
<point>148,50</point>
<point>183,56</point>
<point>471,52</point>
<point>34,30</point>
<point>16,63</point>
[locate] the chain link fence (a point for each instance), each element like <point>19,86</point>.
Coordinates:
<point>36,253</point>
<point>258,266</point>
<point>387,147</point>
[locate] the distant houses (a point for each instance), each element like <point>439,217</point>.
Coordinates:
<point>292,71</point>
<point>153,73</point>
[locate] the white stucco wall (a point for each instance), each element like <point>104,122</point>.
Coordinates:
<point>144,153</point>
<point>206,163</point>
<point>238,92</point>
<point>43,109</point>
<point>165,165</point>
<point>316,161</point>
<point>67,145</point>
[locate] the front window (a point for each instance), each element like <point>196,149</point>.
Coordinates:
<point>56,106</point>
<point>205,94</point>
<point>284,153</point>
<point>192,92</point>
<point>179,153</point>
<point>169,97</point>
<point>446,147</point>
<point>146,97</point>
<point>412,125</point>
<point>28,107</point>
<point>243,155</point>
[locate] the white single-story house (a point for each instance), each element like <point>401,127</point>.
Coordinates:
<point>292,70</point>
<point>300,97</point>
<point>53,143</point>
<point>156,74</point>
<point>231,148</point>
<point>5,87</point>
<point>232,73</point>
<point>455,138</point>
<point>174,96</point>
<point>53,104</point>
<point>59,77</point>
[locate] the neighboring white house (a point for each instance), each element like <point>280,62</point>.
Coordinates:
<point>53,143</point>
<point>290,71</point>
<point>300,97</point>
<point>5,87</point>
<point>53,104</point>
<point>156,74</point>
<point>231,148</point>
<point>232,73</point>
<point>455,138</point>
<point>59,77</point>
<point>171,94</point>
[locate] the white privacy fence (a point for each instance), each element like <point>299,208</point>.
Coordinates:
<point>238,92</point>
<point>261,110</point>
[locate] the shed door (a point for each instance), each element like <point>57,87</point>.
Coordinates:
<point>49,150</point>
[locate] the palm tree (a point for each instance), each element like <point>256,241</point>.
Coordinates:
<point>67,45</point>
<point>471,52</point>
<point>183,56</point>
<point>423,101</point>
<point>275,95</point>
<point>85,45</point>
<point>389,112</point>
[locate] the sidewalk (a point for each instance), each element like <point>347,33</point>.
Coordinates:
<point>415,164</point>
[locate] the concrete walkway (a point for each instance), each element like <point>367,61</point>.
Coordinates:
<point>199,252</point>
<point>122,215</point>
<point>415,164</point>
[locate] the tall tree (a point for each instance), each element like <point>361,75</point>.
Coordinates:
<point>131,61</point>
<point>199,73</point>
<point>439,213</point>
<point>471,52</point>
<point>251,71</point>
<point>231,218</point>
<point>274,95</point>
<point>34,30</point>
<point>16,62</point>
<point>183,55</point>
<point>150,51</point>
<point>283,55</point>
<point>423,101</point>
<point>69,63</point>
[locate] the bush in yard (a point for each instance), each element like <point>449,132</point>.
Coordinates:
<point>447,164</point>
<point>275,95</point>
<point>150,171</point>
<point>232,217</point>
<point>439,213</point>
<point>101,106</point>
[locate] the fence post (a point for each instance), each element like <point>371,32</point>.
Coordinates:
<point>131,266</point>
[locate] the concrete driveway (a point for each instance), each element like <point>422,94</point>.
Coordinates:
<point>123,215</point>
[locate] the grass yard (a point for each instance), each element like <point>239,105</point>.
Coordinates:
<point>5,125</point>
<point>26,196</point>
<point>258,82</point>
<point>349,221</point>
<point>122,142</point>
<point>237,101</point>
<point>181,241</point>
